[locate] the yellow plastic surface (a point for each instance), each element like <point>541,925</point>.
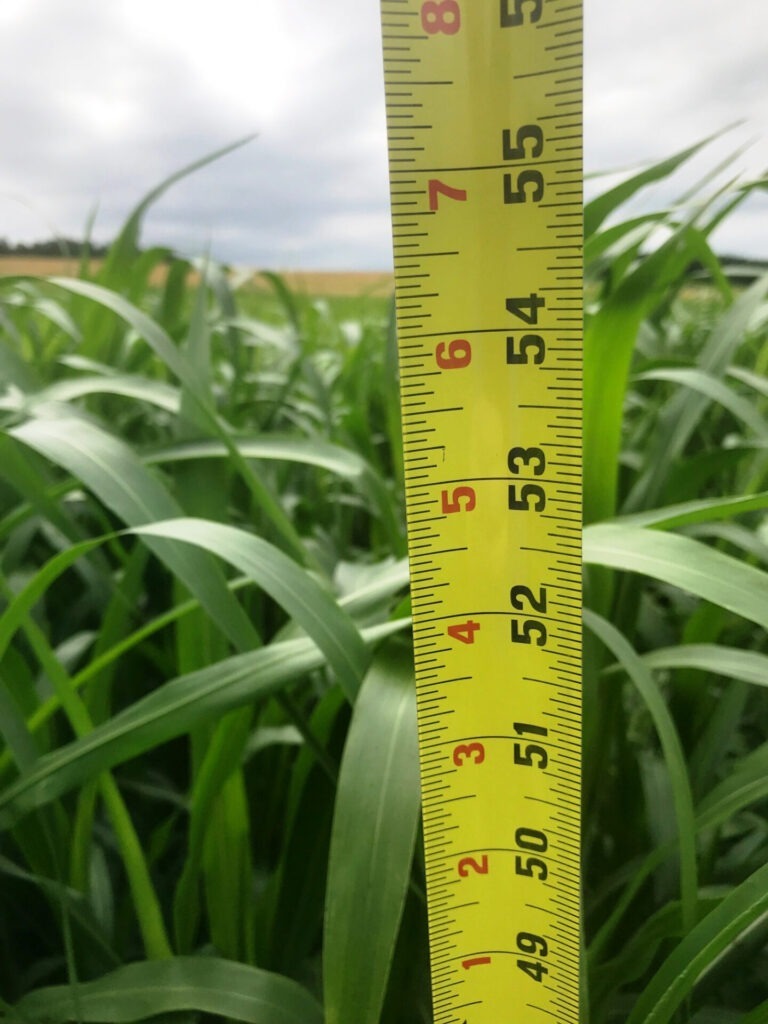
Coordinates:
<point>484,107</point>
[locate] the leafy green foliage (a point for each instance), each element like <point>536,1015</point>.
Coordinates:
<point>208,793</point>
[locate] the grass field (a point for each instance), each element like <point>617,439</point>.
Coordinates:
<point>205,655</point>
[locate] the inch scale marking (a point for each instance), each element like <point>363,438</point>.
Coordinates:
<point>484,107</point>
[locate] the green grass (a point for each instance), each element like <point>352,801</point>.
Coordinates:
<point>208,772</point>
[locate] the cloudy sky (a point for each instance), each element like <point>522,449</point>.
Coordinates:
<point>101,99</point>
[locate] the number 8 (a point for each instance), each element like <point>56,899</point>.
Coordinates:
<point>441,16</point>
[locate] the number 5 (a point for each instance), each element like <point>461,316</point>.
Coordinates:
<point>515,16</point>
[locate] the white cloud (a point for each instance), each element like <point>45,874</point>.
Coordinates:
<point>100,100</point>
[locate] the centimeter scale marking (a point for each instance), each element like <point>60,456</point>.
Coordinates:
<point>484,110</point>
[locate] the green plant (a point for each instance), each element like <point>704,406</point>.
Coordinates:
<point>207,698</point>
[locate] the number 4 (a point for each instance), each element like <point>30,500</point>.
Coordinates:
<point>526,307</point>
<point>533,969</point>
<point>464,631</point>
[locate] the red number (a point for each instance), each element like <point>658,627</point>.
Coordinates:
<point>475,961</point>
<point>468,864</point>
<point>464,631</point>
<point>438,188</point>
<point>459,354</point>
<point>453,503</point>
<point>474,752</point>
<point>441,16</point>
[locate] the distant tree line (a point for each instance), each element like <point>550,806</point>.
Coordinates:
<point>63,247</point>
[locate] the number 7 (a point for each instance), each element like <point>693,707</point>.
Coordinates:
<point>439,188</point>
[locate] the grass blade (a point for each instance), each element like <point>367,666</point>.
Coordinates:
<point>715,390</point>
<point>748,666</point>
<point>119,479</point>
<point>596,211</point>
<point>170,711</point>
<point>201,984</point>
<point>372,843</point>
<point>673,756</point>
<point>689,513</point>
<point>683,563</point>
<point>743,908</point>
<point>290,585</point>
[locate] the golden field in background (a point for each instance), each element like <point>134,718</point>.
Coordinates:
<point>309,282</point>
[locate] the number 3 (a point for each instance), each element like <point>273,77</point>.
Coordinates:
<point>472,752</point>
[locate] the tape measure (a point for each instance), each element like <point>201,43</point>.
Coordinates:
<point>484,110</point>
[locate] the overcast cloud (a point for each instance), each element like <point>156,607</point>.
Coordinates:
<point>101,99</point>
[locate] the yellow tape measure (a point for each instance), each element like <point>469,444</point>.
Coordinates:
<point>484,109</point>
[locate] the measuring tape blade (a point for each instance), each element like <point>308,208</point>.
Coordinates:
<point>484,111</point>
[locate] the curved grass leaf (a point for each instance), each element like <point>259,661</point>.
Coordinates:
<point>748,666</point>
<point>751,379</point>
<point>123,250</point>
<point>202,984</point>
<point>178,363</point>
<point>746,786</point>
<point>673,755</point>
<point>596,211</point>
<point>372,842</point>
<point>681,562</point>
<point>117,476</point>
<point>169,711</point>
<point>743,908</point>
<point>609,342</point>
<point>290,585</point>
<point>312,452</point>
<point>127,385</point>
<point>713,388</point>
<point>690,513</point>
<point>679,418</point>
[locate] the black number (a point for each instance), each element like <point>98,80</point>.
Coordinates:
<point>513,12</point>
<point>526,757</point>
<point>527,456</point>
<point>528,343</point>
<point>524,729</point>
<point>533,969</point>
<point>531,839</point>
<point>523,633</point>
<point>528,131</point>
<point>531,867</point>
<point>520,593</point>
<point>522,504</point>
<point>519,195</point>
<point>526,307</point>
<point>532,944</point>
